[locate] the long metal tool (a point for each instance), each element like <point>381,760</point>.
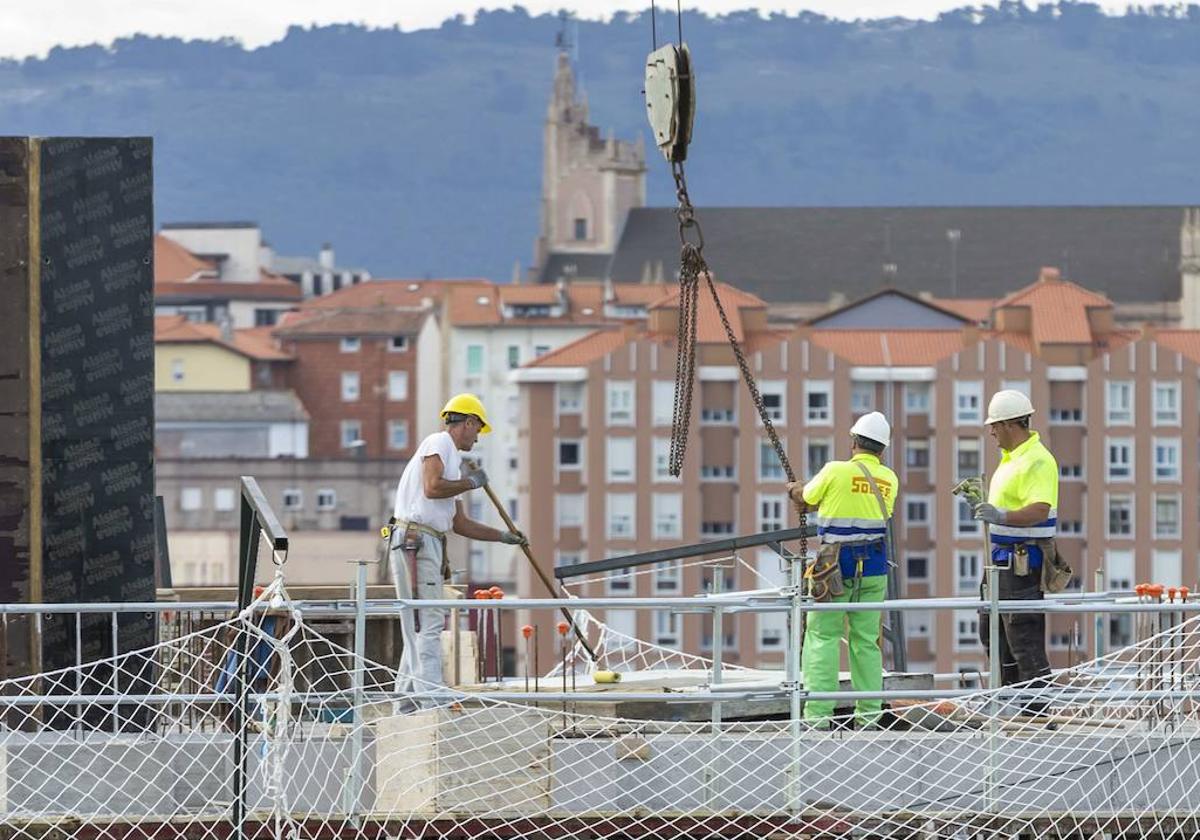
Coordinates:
<point>508,523</point>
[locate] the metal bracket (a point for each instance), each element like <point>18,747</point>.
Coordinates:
<point>671,100</point>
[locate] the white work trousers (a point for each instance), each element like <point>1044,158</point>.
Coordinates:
<point>421,662</point>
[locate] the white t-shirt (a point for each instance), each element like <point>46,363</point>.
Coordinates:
<point>412,505</point>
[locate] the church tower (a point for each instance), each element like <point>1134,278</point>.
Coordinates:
<point>589,184</point>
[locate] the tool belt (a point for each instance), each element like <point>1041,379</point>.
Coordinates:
<point>1056,573</point>
<point>410,542</point>
<point>824,576</point>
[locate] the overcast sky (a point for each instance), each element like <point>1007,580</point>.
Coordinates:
<point>32,27</point>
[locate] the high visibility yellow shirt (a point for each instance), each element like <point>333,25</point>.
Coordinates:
<point>1028,474</point>
<point>847,510</point>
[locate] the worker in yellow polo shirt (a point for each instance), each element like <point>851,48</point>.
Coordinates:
<point>1022,510</point>
<point>850,498</point>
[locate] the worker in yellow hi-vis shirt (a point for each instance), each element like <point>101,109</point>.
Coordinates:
<point>853,500</point>
<point>1022,509</point>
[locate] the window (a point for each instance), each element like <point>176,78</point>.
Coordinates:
<point>774,397</point>
<point>397,385</point>
<point>769,466</point>
<point>1021,385</point>
<point>818,454</point>
<point>1120,459</point>
<point>397,434</point>
<point>177,370</point>
<point>666,578</point>
<point>1070,471</point>
<point>514,356</point>
<point>862,398</point>
<point>1070,527</point>
<point>398,344</point>
<point>1066,415</point>
<point>1166,567</point>
<point>716,472</point>
<point>569,510</point>
<point>1166,516</point>
<point>570,397</point>
<point>666,628</point>
<point>569,454</point>
<point>1166,403</point>
<point>351,433</point>
<point>540,350</point>
<point>917,625</point>
<point>621,456</point>
<point>618,583</point>
<point>818,403</point>
<point>619,403</point>
<point>663,398</point>
<point>716,528</point>
<point>580,230</point>
<point>1118,403</point>
<point>966,629</point>
<point>349,386</point>
<point>622,516</point>
<point>326,499</point>
<point>966,454</point>
<point>474,360</point>
<point>772,512</point>
<point>916,397</point>
<point>351,344</point>
<point>224,499</point>
<point>714,416</point>
<point>966,523</point>
<point>623,623</point>
<point>772,627</point>
<point>1166,459</point>
<point>966,572</point>
<point>916,454</point>
<point>667,512</point>
<point>293,499</point>
<point>266,317</point>
<point>191,498</point>
<point>968,401</point>
<point>662,460</point>
<point>916,567</point>
<point>1120,515</point>
<point>916,510</point>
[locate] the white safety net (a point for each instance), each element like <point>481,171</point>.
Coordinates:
<point>1110,749</point>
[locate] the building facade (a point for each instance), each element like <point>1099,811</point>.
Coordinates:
<point>1118,408</point>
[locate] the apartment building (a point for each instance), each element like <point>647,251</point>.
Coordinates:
<point>1118,408</point>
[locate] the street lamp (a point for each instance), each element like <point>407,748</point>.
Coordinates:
<point>952,236</point>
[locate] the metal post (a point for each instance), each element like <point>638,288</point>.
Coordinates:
<point>116,717</point>
<point>353,788</point>
<point>718,645</point>
<point>994,673</point>
<point>792,674</point>
<point>1098,626</point>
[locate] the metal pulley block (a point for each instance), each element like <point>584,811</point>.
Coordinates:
<point>671,100</point>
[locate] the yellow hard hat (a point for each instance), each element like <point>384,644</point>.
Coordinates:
<point>467,404</point>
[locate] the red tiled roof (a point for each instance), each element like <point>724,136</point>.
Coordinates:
<point>479,304</point>
<point>383,292</point>
<point>709,329</point>
<point>973,309</point>
<point>1186,342</point>
<point>380,321</point>
<point>254,343</point>
<point>585,350</point>
<point>175,264</point>
<point>274,290</point>
<point>904,348</point>
<point>1059,309</point>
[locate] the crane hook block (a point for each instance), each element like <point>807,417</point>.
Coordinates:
<point>671,100</point>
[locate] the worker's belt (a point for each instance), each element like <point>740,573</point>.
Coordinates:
<point>400,525</point>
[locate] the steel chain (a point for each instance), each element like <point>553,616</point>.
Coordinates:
<point>692,267</point>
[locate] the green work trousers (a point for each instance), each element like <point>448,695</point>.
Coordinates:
<point>822,654</point>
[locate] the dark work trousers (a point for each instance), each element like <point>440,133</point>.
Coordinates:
<point>1022,635</point>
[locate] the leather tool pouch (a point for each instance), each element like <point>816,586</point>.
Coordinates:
<point>825,575</point>
<point>1056,573</point>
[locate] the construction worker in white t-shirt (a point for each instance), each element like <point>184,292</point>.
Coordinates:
<point>426,510</point>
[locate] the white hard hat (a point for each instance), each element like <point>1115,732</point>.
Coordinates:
<point>1008,405</point>
<point>873,426</point>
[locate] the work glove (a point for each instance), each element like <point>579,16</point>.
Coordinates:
<point>513,538</point>
<point>477,477</point>
<point>990,513</point>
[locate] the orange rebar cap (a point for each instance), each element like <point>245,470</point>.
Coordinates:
<point>1171,590</point>
<point>1140,589</point>
<point>1183,593</point>
<point>483,595</point>
<point>497,592</point>
<point>563,627</point>
<point>527,630</point>
<point>1156,590</point>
